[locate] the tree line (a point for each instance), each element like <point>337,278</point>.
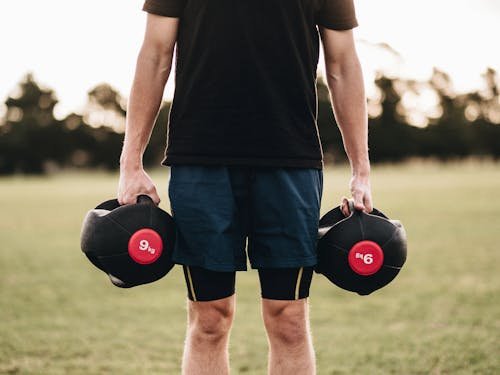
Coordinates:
<point>449,126</point>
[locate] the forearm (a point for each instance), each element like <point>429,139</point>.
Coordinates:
<point>151,75</point>
<point>345,81</point>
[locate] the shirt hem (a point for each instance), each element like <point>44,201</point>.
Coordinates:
<point>342,25</point>
<point>254,162</point>
<point>153,7</point>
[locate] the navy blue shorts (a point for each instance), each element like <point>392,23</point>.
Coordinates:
<point>223,213</point>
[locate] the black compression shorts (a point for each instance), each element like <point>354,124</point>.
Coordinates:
<point>276,283</point>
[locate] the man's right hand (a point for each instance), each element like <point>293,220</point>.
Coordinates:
<point>134,182</point>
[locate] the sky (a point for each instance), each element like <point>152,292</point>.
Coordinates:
<point>72,46</point>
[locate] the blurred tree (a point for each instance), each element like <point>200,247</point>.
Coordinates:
<point>491,97</point>
<point>32,140</point>
<point>448,136</point>
<point>105,107</point>
<point>92,146</point>
<point>390,138</point>
<point>482,109</point>
<point>30,134</point>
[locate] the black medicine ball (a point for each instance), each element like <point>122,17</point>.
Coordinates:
<point>362,252</point>
<point>132,243</point>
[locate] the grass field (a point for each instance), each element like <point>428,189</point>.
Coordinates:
<point>59,315</point>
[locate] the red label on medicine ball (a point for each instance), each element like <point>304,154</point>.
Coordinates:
<point>366,258</point>
<point>145,246</point>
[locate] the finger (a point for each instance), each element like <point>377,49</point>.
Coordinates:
<point>344,206</point>
<point>368,203</point>
<point>358,200</point>
<point>154,196</point>
<point>120,195</point>
<point>129,199</point>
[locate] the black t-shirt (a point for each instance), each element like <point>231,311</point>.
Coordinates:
<point>245,83</point>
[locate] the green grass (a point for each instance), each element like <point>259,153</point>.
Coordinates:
<point>441,315</point>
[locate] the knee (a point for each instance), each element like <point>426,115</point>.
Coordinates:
<point>286,322</point>
<point>210,322</point>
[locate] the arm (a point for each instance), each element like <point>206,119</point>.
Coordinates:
<point>152,71</point>
<point>345,83</point>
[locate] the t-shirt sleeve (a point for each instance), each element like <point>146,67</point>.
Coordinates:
<point>337,14</point>
<point>166,8</point>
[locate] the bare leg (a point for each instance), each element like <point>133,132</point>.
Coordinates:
<point>207,338</point>
<point>290,343</point>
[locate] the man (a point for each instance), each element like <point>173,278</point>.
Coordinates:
<point>244,155</point>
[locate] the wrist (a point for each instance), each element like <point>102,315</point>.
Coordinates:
<point>130,162</point>
<point>361,169</point>
<point>363,173</point>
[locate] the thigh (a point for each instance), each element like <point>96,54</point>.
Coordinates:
<point>210,230</point>
<point>285,283</point>
<point>206,285</point>
<point>285,205</point>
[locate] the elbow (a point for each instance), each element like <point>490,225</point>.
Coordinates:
<point>339,69</point>
<point>334,73</point>
<point>164,67</point>
<point>333,76</point>
<point>157,60</point>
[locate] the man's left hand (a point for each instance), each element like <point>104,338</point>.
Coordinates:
<point>361,194</point>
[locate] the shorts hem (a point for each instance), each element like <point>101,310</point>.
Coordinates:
<point>218,267</point>
<point>290,263</point>
<point>210,299</point>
